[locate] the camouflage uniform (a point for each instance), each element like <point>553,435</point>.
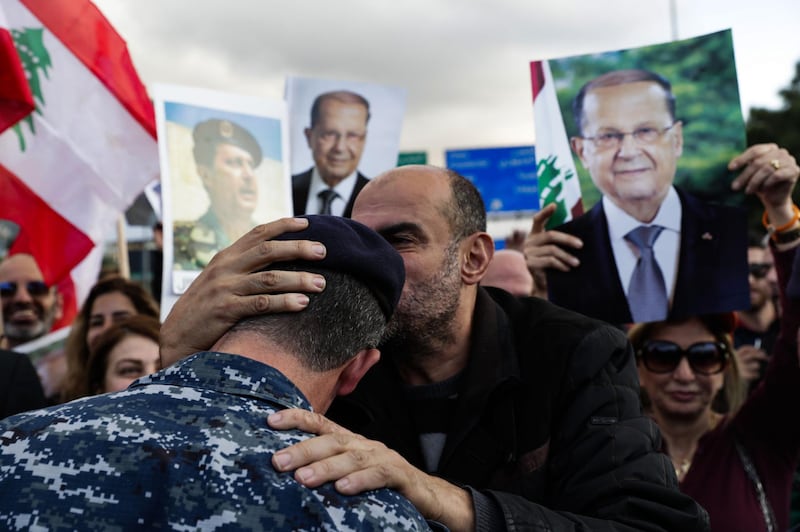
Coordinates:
<point>196,242</point>
<point>187,448</point>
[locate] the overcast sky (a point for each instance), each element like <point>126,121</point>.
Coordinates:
<point>463,62</point>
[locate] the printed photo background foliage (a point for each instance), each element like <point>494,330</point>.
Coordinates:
<point>702,72</point>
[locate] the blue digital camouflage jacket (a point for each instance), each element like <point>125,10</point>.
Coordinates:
<point>187,448</point>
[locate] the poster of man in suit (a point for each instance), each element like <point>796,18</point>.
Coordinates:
<point>652,130</point>
<point>343,133</point>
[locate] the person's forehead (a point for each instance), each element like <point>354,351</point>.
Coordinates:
<point>758,254</point>
<point>111,302</point>
<point>641,100</point>
<point>686,332</point>
<point>20,267</point>
<point>405,197</point>
<point>333,109</point>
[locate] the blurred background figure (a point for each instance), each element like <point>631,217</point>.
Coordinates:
<point>157,260</point>
<point>757,327</point>
<point>30,306</point>
<point>20,389</point>
<point>125,351</point>
<point>509,271</point>
<point>746,448</point>
<point>111,300</point>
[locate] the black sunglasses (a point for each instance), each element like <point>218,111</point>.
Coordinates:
<point>759,270</point>
<point>34,288</point>
<point>705,358</point>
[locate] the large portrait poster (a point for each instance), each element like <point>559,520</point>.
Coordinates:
<point>223,171</point>
<point>343,133</point>
<point>642,138</point>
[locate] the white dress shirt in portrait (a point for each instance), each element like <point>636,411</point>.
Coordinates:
<point>344,189</point>
<point>666,248</point>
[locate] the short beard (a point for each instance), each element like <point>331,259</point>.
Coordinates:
<point>425,318</point>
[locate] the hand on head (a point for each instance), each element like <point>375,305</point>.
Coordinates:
<point>230,287</point>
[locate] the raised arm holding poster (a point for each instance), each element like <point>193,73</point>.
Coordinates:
<point>652,130</point>
<point>343,133</point>
<point>223,165</point>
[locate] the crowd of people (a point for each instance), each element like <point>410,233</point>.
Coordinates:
<point>390,371</point>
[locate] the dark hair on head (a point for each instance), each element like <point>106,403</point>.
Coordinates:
<point>139,325</point>
<point>339,322</point>
<point>77,349</point>
<point>343,96</point>
<point>465,212</point>
<point>720,326</point>
<point>621,77</point>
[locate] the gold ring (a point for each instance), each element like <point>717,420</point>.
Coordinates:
<point>776,164</point>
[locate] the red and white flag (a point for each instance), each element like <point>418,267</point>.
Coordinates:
<point>16,100</point>
<point>555,169</point>
<point>69,168</point>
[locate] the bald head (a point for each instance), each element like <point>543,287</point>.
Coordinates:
<point>509,271</point>
<point>453,195</point>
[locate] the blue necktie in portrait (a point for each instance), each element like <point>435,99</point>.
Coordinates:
<point>647,295</point>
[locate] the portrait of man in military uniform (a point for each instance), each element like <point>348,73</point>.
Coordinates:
<point>226,156</point>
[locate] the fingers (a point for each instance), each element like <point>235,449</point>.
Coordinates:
<point>764,166</point>
<point>749,359</point>
<point>230,288</point>
<point>749,155</point>
<point>334,440</point>
<point>541,218</point>
<point>305,420</point>
<point>546,250</point>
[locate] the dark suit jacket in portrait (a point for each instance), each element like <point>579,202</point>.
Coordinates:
<point>712,266</point>
<point>20,389</point>
<point>302,182</point>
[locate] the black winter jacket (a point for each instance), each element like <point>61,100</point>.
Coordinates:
<point>549,433</point>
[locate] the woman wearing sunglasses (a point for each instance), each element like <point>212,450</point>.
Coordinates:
<point>736,457</point>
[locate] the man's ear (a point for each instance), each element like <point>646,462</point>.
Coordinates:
<point>576,143</point>
<point>678,133</point>
<point>477,251</point>
<point>308,132</point>
<point>355,369</point>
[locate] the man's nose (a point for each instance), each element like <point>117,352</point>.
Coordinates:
<point>628,146</point>
<point>22,294</point>
<point>341,143</point>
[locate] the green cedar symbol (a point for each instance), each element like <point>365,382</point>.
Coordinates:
<point>35,60</point>
<point>551,184</point>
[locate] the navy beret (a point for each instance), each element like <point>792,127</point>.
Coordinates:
<point>208,134</point>
<point>355,249</point>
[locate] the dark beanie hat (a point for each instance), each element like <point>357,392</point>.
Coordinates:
<point>356,250</point>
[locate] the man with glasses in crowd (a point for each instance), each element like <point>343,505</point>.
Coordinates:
<point>692,253</point>
<point>30,306</point>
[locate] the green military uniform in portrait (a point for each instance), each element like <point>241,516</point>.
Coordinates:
<point>196,242</point>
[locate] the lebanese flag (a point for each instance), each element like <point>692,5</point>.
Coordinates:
<point>70,168</point>
<point>555,169</point>
<point>16,100</point>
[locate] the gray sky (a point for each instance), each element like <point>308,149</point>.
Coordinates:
<point>463,62</point>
